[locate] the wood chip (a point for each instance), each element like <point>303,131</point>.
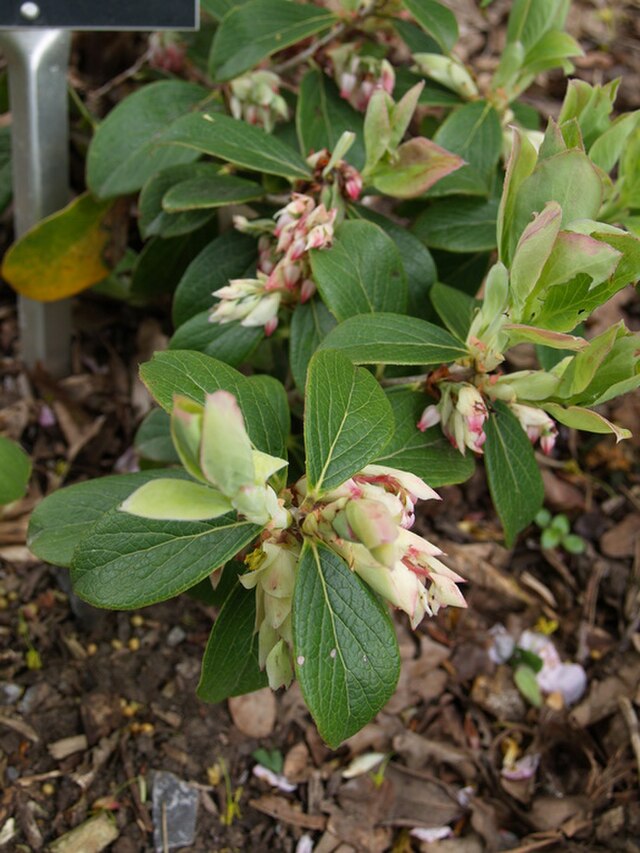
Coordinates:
<point>20,726</point>
<point>60,749</point>
<point>92,836</point>
<point>281,809</point>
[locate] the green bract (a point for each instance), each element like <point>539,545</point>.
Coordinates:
<point>349,275</point>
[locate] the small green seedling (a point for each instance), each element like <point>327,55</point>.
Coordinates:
<point>556,532</point>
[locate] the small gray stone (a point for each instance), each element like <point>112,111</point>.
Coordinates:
<point>175,807</point>
<point>10,693</point>
<point>175,636</point>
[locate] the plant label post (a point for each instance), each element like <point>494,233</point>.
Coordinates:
<point>35,38</point>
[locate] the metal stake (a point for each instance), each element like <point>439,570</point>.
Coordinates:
<point>38,61</point>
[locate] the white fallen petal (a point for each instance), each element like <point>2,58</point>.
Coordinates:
<point>276,780</point>
<point>433,833</point>
<point>362,764</point>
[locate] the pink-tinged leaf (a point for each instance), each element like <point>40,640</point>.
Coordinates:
<point>578,417</point>
<point>520,333</point>
<point>419,164</point>
<point>579,253</point>
<point>533,249</point>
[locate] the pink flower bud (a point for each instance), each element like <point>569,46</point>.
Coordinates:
<point>430,417</point>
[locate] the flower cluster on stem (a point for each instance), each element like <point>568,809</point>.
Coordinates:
<point>283,276</point>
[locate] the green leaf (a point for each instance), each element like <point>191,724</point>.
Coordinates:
<point>568,178</point>
<point>527,683</point>
<point>65,517</point>
<point>219,8</point>
<point>230,662</point>
<point>346,652</point>
<point>130,562</point>
<point>436,20</point>
<point>262,399</point>
<point>162,263</point>
<point>347,420</point>
<point>514,478</point>
<point>361,273</point>
<point>458,224</point>
<point>310,324</point>
<point>473,132</point>
<point>322,116</point>
<point>124,152</point>
<point>153,219</point>
<point>574,544</point>
<point>237,142</point>
<point>415,39</point>
<point>209,191</point>
<point>228,256</point>
<point>153,438</point>
<point>254,30</point>
<point>16,470</point>
<point>578,417</point>
<point>455,308</point>
<point>176,500</point>
<point>428,454</point>
<point>416,260</point>
<point>393,339</point>
<point>229,342</point>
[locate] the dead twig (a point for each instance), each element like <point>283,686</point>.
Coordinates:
<point>631,720</point>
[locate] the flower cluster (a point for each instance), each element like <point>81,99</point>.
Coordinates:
<point>284,274</point>
<point>255,98</point>
<point>344,177</point>
<point>358,76</point>
<point>366,521</point>
<point>462,412</point>
<point>537,424</point>
<point>167,52</point>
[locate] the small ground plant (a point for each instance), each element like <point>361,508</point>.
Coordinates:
<point>357,231</point>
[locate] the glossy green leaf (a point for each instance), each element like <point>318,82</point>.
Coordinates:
<point>124,152</point>
<point>568,178</point>
<point>577,417</point>
<point>436,20</point>
<point>455,308</point>
<point>230,662</point>
<point>361,273</point>
<point>153,438</point>
<point>393,339</point>
<point>16,470</point>
<point>527,683</point>
<point>458,224</point>
<point>512,472</point>
<point>227,257</point>
<point>162,263</point>
<point>416,260</point>
<point>322,116</point>
<point>345,648</point>
<point>310,324</point>
<point>254,30</point>
<point>209,191</point>
<point>237,142</point>
<point>65,517</point>
<point>347,420</point>
<point>230,342</point>
<point>427,454</point>
<point>153,219</point>
<point>130,562</point>
<point>262,399</point>
<point>473,132</point>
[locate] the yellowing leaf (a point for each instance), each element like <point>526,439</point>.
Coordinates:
<point>62,255</point>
